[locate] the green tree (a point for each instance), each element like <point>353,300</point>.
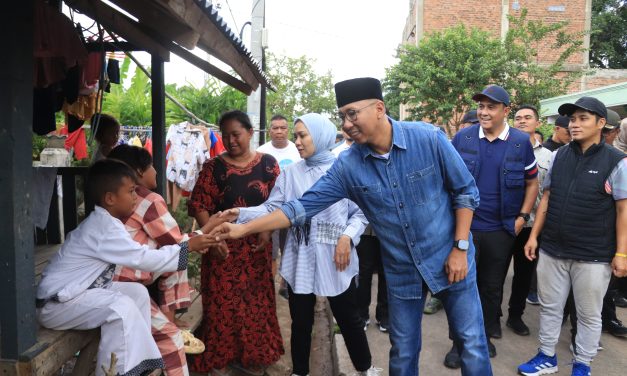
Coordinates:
<point>299,89</point>
<point>608,40</point>
<point>207,102</point>
<point>439,76</point>
<point>130,106</point>
<point>529,79</point>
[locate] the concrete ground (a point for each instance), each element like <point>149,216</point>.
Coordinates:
<point>511,349</point>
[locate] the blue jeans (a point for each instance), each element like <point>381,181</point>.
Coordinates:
<point>465,318</point>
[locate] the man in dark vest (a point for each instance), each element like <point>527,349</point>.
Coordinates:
<point>583,219</point>
<point>502,161</point>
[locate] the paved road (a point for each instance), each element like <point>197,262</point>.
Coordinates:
<point>512,349</point>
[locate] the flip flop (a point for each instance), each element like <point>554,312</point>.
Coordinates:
<point>192,344</point>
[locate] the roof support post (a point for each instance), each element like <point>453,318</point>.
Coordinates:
<point>158,121</point>
<point>17,268</point>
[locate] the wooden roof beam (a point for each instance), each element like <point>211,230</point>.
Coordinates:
<point>211,69</point>
<point>120,24</point>
<point>163,21</point>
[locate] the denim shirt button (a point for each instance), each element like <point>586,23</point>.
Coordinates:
<point>401,205</point>
<point>412,244</point>
<point>394,185</point>
<point>406,225</point>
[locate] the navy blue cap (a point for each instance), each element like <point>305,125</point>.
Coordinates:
<point>494,93</point>
<point>562,121</point>
<point>470,117</point>
<point>589,104</point>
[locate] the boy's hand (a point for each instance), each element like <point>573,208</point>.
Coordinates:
<point>456,265</point>
<point>201,243</point>
<point>220,251</point>
<point>263,239</point>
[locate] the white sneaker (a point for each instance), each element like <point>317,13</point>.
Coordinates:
<point>366,323</point>
<point>372,371</point>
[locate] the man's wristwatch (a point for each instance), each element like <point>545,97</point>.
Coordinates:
<point>461,244</point>
<point>525,216</point>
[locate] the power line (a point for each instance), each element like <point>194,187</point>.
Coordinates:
<point>232,16</point>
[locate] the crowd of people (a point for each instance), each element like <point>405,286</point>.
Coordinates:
<point>428,214</point>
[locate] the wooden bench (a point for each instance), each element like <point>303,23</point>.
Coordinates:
<point>55,347</point>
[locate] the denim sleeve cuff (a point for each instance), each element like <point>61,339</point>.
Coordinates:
<point>183,255</point>
<point>465,201</point>
<point>295,212</point>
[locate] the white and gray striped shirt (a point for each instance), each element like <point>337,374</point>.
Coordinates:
<point>308,266</point>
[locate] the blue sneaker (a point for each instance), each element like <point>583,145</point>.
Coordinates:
<point>580,369</point>
<point>540,364</point>
<point>532,298</point>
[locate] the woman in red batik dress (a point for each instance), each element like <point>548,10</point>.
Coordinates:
<point>240,327</point>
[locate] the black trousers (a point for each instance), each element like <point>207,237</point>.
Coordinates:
<point>493,254</point>
<point>369,252</point>
<point>344,308</point>
<point>523,274</point>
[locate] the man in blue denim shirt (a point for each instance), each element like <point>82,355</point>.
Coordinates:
<point>419,197</point>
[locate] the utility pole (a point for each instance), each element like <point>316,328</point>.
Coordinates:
<point>253,107</point>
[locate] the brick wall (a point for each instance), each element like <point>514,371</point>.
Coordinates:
<point>488,15</point>
<point>441,14</point>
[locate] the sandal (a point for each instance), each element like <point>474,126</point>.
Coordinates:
<point>192,344</point>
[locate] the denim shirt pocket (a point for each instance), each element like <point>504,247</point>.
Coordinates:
<point>422,184</point>
<point>369,195</point>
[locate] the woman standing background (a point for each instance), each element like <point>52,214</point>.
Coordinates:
<point>319,258</point>
<point>240,326</point>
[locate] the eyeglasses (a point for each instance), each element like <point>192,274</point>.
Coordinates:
<point>351,115</point>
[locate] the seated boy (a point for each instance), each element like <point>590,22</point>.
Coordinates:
<point>152,224</point>
<point>77,292</point>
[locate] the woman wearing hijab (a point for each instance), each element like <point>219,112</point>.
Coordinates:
<point>319,258</point>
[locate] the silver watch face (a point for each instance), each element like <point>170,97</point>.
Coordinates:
<point>463,244</point>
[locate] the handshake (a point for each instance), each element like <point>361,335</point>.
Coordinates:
<point>218,229</point>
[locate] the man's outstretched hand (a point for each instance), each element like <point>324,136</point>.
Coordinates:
<point>227,231</point>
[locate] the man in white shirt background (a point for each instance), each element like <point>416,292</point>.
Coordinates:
<point>285,153</point>
<point>279,146</point>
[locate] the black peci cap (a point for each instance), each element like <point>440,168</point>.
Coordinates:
<point>589,104</point>
<point>470,117</point>
<point>357,89</point>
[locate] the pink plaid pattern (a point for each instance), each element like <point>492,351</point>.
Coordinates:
<point>151,223</point>
<point>169,341</point>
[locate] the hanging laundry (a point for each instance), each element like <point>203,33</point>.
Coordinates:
<point>135,141</point>
<point>84,107</point>
<point>217,147</point>
<point>187,153</point>
<point>75,140</point>
<point>148,145</point>
<point>56,46</point>
<point>113,71</point>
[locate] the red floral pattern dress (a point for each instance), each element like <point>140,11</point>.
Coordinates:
<point>239,309</point>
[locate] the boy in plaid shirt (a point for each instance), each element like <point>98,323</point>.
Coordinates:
<point>152,224</point>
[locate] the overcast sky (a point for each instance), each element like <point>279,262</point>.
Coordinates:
<point>352,38</point>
